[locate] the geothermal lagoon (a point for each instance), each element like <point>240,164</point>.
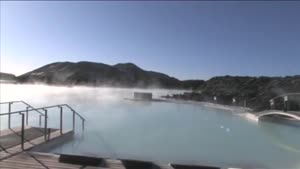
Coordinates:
<point>164,132</point>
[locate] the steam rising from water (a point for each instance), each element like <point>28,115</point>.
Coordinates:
<point>59,95</point>
<point>120,128</point>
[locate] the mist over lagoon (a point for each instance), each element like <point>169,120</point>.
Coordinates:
<point>161,131</point>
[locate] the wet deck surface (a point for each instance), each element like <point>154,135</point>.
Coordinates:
<point>14,157</point>
<point>51,161</point>
<point>10,140</point>
<point>14,138</point>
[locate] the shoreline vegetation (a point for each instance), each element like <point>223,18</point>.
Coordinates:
<point>233,108</point>
<point>251,92</point>
<point>243,91</point>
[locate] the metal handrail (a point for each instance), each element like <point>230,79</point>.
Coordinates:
<point>59,105</point>
<point>285,102</point>
<point>74,111</point>
<point>48,107</point>
<point>37,109</point>
<point>22,128</point>
<point>28,106</point>
<point>46,129</point>
<point>21,101</point>
<point>287,94</point>
<point>16,112</point>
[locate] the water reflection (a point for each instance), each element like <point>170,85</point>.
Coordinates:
<point>283,135</point>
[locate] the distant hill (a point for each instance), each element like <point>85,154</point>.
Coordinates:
<point>97,74</point>
<point>193,84</point>
<point>7,77</point>
<point>256,91</point>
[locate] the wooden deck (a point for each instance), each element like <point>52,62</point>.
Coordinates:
<point>51,161</point>
<point>28,144</point>
<point>17,158</point>
<point>37,161</point>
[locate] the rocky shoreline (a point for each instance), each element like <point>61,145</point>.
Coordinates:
<point>234,109</point>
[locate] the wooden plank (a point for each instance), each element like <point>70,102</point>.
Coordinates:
<point>116,164</point>
<point>28,145</point>
<point>51,161</point>
<point>10,131</point>
<point>27,160</point>
<point>90,167</point>
<point>16,158</point>
<point>22,164</point>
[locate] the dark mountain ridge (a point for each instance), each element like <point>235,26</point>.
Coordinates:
<point>7,76</point>
<point>90,73</point>
<point>255,91</point>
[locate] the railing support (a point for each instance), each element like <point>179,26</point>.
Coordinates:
<point>29,108</point>
<point>82,124</point>
<point>40,120</point>
<point>73,120</point>
<point>22,132</point>
<point>61,120</point>
<point>9,111</point>
<point>286,105</point>
<point>45,127</point>
<point>27,116</point>
<point>49,133</point>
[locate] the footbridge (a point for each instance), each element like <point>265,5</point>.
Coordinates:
<point>290,114</point>
<point>286,94</point>
<point>285,100</point>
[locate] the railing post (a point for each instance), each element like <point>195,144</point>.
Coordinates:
<point>9,110</point>
<point>49,133</point>
<point>61,120</point>
<point>22,132</point>
<point>27,116</point>
<point>285,102</point>
<point>40,120</point>
<point>73,120</point>
<point>82,124</point>
<point>45,129</point>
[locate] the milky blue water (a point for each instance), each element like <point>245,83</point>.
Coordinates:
<point>160,131</point>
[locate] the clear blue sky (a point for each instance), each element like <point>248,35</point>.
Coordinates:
<point>187,40</point>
